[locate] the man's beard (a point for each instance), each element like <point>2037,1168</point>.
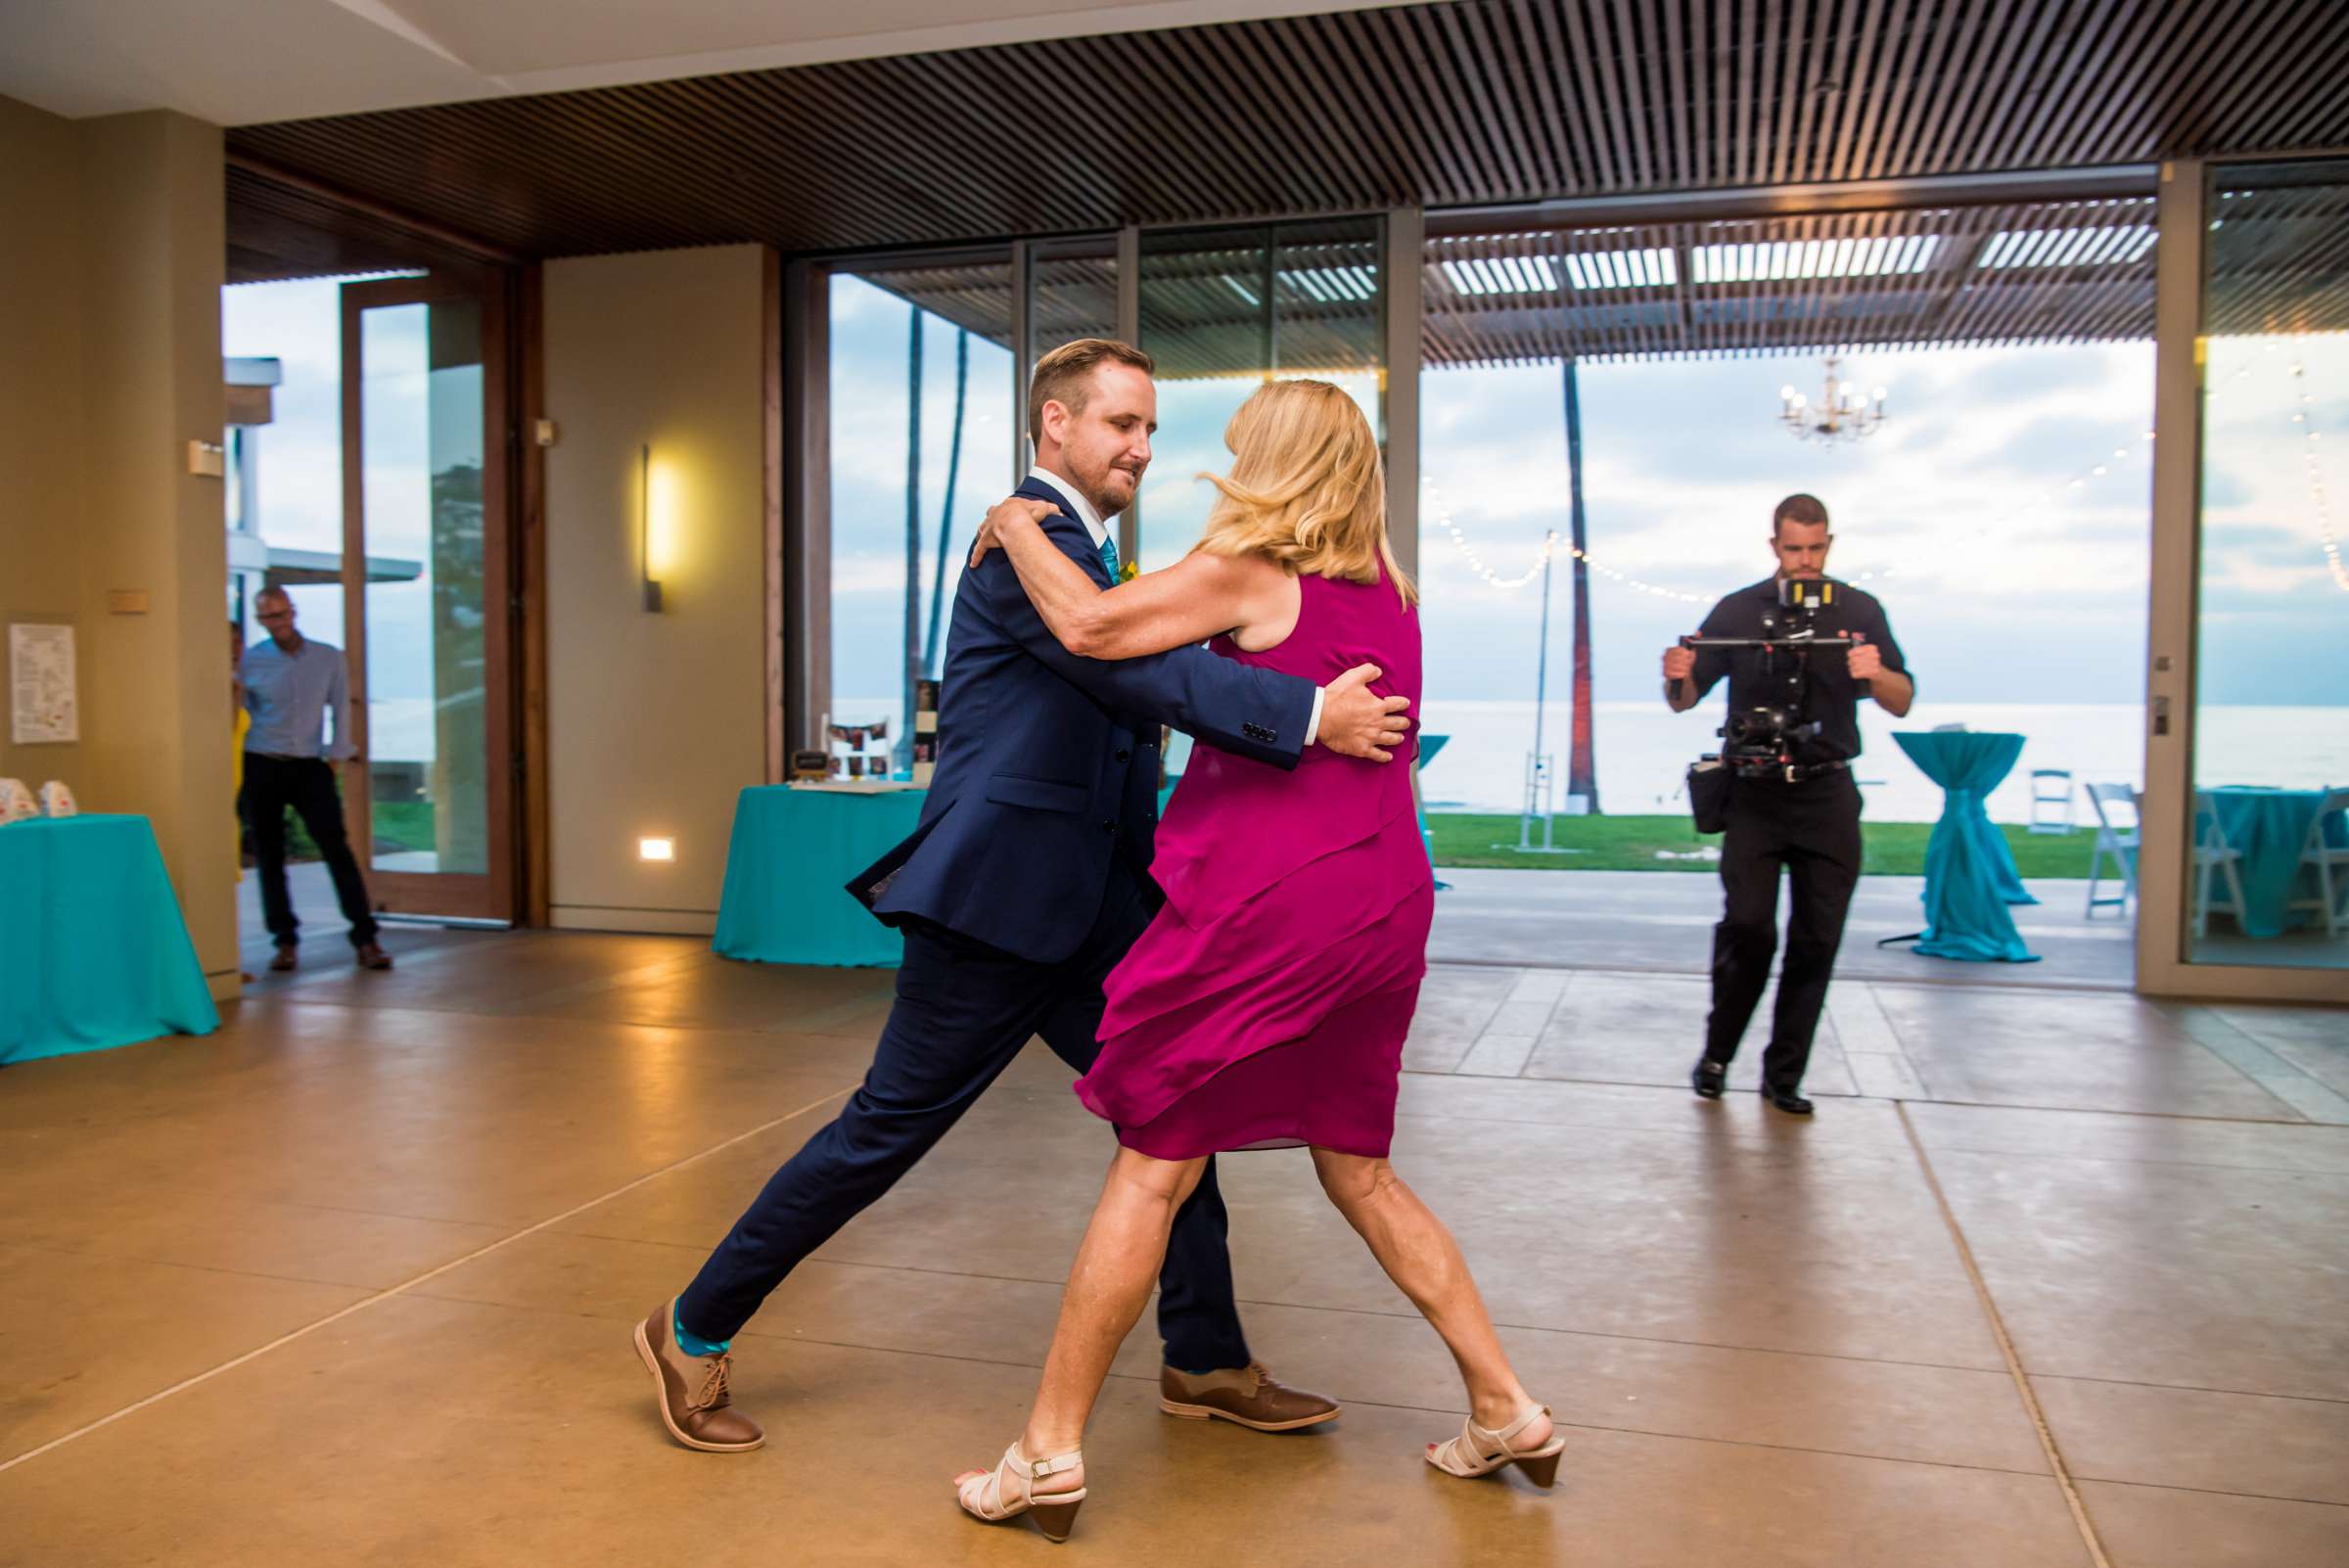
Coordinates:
<point>1104,491</point>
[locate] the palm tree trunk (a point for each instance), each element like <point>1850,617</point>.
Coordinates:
<point>946,512</point>
<point>1581,769</point>
<point>904,749</point>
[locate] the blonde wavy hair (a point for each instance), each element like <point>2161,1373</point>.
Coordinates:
<point>1305,490</point>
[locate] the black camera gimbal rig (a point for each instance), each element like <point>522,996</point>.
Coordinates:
<point>1760,741</point>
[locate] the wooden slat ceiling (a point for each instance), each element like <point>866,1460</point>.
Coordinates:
<point>2034,272</point>
<point>1473,103</point>
<point>2050,271</point>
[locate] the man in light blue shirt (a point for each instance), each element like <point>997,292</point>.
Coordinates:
<point>290,685</point>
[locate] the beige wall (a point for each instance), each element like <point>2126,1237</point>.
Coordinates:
<point>110,264</point>
<point>654,721</point>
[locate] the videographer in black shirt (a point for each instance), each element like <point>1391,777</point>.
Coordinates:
<point>1794,729</point>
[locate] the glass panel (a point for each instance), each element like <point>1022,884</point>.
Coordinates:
<point>1222,312</point>
<point>1329,311</point>
<point>1207,320</point>
<point>421,424</point>
<point>2000,514</point>
<point>1073,294</point>
<point>922,438</point>
<point>2268,879</point>
<point>284,512</point>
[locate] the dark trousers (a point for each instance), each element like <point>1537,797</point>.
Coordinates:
<point>963,1011</point>
<point>1812,829</point>
<point>307,785</point>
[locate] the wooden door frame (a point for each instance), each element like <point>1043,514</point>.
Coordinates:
<point>489,895</point>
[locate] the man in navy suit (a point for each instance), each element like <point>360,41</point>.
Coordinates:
<point>1024,882</point>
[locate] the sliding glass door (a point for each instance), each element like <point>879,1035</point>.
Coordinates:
<point>2260,861</point>
<point>424,593</point>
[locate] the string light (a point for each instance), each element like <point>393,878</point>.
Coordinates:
<point>2316,487</point>
<point>1476,562</point>
<point>1550,546</point>
<point>1551,543</point>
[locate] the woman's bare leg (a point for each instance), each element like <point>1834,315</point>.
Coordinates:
<point>1420,1256</point>
<point>1108,1286</point>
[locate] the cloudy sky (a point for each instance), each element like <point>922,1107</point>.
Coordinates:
<point>2017,572</point>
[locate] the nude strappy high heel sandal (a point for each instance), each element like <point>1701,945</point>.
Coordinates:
<point>1009,1489</point>
<point>1479,1452</point>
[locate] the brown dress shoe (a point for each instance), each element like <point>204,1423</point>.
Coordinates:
<point>1248,1395</point>
<point>695,1403</point>
<point>283,959</point>
<point>370,956</point>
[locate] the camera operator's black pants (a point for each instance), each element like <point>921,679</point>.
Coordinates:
<point>1812,828</point>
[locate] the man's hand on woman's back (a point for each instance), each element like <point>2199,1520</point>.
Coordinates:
<point>1356,722</point>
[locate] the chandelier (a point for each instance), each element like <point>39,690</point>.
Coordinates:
<point>1841,414</point>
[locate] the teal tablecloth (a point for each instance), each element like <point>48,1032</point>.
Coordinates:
<point>2268,829</point>
<point>786,898</point>
<point>93,951</point>
<point>787,863</point>
<point>1971,876</point>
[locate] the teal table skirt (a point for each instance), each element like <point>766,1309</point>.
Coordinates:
<point>2268,829</point>
<point>93,951</point>
<point>1970,875</point>
<point>786,899</point>
<point>788,864</point>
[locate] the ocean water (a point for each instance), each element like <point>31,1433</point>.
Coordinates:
<point>1642,749</point>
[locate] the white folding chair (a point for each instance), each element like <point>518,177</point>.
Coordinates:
<point>2052,787</point>
<point>2214,861</point>
<point>2115,842</point>
<point>2330,862</point>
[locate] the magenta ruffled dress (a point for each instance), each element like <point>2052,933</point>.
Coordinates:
<point>1266,1005</point>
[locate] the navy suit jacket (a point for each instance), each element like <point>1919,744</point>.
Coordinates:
<point>1048,761</point>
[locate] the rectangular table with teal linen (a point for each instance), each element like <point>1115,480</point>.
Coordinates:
<point>92,950</point>
<point>788,865</point>
<point>1970,875</point>
<point>2268,830</point>
<point>786,899</point>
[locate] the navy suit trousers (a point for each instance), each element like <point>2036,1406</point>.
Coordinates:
<point>963,1011</point>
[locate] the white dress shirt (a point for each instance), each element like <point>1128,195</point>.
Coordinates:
<point>1099,530</point>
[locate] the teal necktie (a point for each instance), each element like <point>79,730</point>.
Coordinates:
<point>1109,558</point>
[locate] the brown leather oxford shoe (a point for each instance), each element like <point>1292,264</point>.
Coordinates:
<point>1248,1395</point>
<point>696,1404</point>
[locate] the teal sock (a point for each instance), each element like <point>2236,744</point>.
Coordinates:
<point>693,1344</point>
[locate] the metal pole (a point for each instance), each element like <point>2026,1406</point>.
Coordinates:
<point>1533,772</point>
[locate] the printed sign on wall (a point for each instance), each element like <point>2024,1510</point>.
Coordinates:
<point>40,661</point>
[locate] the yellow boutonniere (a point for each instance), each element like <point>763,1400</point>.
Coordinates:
<point>1131,571</point>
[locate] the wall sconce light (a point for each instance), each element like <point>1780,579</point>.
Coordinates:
<point>644,528</point>
<point>656,849</point>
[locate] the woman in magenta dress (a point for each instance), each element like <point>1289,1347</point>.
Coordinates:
<point>1266,1006</point>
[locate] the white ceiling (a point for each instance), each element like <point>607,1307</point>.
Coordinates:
<point>249,62</point>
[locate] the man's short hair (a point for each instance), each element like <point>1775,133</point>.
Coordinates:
<point>1798,508</point>
<point>1065,376</point>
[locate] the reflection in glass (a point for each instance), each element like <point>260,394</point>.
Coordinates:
<point>421,424</point>
<point>1073,292</point>
<point>2269,878</point>
<point>1222,312</point>
<point>922,428</point>
<point>1226,310</point>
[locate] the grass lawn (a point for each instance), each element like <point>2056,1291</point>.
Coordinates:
<point>1631,843</point>
<point>398,825</point>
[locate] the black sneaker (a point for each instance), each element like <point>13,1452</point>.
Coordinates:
<point>1708,1078</point>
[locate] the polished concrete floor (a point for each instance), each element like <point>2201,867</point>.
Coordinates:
<point>350,1281</point>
